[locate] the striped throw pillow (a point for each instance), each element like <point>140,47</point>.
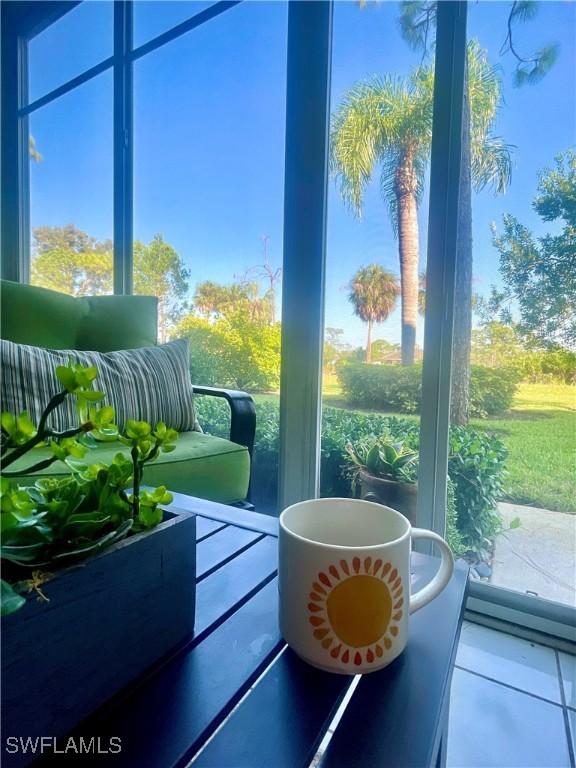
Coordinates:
<point>150,384</point>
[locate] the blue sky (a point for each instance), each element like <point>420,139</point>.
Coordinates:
<point>209,134</point>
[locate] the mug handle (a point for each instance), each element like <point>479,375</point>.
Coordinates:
<point>442,577</point>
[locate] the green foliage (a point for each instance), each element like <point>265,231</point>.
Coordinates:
<point>453,535</point>
<point>159,271</point>
<point>476,463</point>
<point>233,351</point>
<point>214,300</point>
<point>68,260</point>
<point>385,387</point>
<point>399,388</point>
<point>418,22</point>
<point>476,467</point>
<point>383,458</point>
<point>66,518</point>
<point>491,390</point>
<point>10,600</point>
<point>539,273</point>
<point>496,345</point>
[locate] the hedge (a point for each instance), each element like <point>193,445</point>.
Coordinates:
<point>475,469</point>
<point>399,388</point>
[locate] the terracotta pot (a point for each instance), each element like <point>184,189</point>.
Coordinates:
<point>400,496</point>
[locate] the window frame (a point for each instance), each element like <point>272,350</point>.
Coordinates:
<point>309,46</point>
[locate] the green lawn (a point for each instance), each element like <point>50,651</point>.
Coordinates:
<point>540,434</point>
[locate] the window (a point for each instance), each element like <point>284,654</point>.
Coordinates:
<point>208,207</point>
<point>153,17</point>
<point>79,40</point>
<point>71,174</point>
<point>376,257</point>
<point>184,164</point>
<point>519,267</point>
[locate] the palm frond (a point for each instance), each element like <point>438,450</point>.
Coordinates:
<point>492,164</point>
<point>356,135</point>
<point>375,123</point>
<point>491,156</point>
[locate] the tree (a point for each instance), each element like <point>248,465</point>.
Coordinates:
<point>270,274</point>
<point>333,346</point>
<point>373,294</point>
<point>539,273</point>
<point>215,300</point>
<point>69,260</point>
<point>159,271</point>
<point>417,19</point>
<point>233,351</point>
<point>383,350</point>
<point>66,259</point>
<point>387,122</point>
<point>495,345</point>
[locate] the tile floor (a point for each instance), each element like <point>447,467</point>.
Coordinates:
<point>513,703</point>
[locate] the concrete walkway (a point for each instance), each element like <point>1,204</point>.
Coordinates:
<point>539,557</point>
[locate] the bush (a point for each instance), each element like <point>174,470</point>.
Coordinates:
<point>556,365</point>
<point>475,468</point>
<point>385,387</point>
<point>492,391</point>
<point>233,352</point>
<point>399,388</point>
<point>453,535</point>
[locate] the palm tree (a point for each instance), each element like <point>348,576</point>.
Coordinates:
<point>373,293</point>
<point>387,124</point>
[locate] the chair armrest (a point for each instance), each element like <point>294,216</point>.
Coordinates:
<point>243,411</point>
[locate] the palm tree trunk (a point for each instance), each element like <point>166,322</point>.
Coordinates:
<point>408,246</point>
<point>460,390</point>
<point>368,356</point>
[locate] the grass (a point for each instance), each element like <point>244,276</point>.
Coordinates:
<point>540,434</point>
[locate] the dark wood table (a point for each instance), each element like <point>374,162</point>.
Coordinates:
<point>237,697</point>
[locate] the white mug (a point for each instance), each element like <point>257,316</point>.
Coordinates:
<point>344,582</point>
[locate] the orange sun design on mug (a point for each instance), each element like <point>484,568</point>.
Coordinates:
<point>355,609</point>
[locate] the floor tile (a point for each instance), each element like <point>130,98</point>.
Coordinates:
<point>572,721</point>
<point>568,668</point>
<point>492,726</point>
<point>510,660</point>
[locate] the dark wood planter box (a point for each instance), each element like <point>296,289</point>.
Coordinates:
<point>400,496</point>
<point>109,618</point>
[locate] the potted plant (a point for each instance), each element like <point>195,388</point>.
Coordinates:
<point>386,473</point>
<point>98,581</point>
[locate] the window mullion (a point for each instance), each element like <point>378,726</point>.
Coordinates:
<point>305,200</point>
<point>123,147</point>
<point>441,262</point>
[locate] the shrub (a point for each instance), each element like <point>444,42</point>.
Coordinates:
<point>492,390</point>
<point>475,468</point>
<point>555,365</point>
<point>399,388</point>
<point>386,387</point>
<point>453,535</point>
<point>233,352</point>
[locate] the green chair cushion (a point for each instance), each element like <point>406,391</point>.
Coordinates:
<point>201,465</point>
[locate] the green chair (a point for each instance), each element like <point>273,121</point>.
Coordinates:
<point>201,465</point>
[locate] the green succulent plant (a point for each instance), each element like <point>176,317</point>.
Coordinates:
<point>60,519</point>
<point>383,458</point>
